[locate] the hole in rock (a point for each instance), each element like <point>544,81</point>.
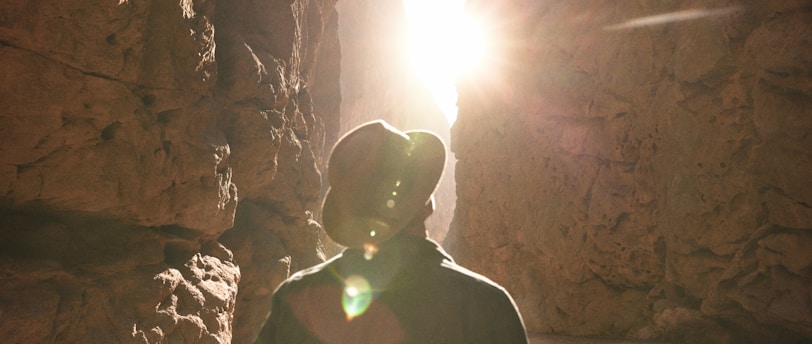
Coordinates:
<point>109,132</point>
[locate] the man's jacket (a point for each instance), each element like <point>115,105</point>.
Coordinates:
<point>409,291</point>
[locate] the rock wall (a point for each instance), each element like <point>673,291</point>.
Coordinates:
<point>630,178</point>
<point>134,135</point>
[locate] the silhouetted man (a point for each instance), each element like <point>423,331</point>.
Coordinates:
<point>392,284</point>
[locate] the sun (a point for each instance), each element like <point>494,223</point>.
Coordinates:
<point>445,43</point>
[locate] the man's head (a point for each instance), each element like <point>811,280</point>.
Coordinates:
<point>380,179</point>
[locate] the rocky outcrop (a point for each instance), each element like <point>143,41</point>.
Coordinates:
<point>134,133</point>
<point>160,161</point>
<point>640,179</point>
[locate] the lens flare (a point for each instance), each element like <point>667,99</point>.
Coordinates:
<point>671,17</point>
<point>357,296</point>
<point>370,250</point>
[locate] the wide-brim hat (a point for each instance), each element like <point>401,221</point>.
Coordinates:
<point>380,178</point>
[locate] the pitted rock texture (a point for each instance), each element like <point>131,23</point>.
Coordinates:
<point>73,279</point>
<point>649,182</point>
<point>134,133</point>
<point>100,109</point>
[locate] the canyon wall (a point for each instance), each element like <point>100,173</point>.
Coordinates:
<point>159,163</point>
<point>628,177</point>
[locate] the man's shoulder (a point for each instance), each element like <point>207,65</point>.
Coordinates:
<point>485,303</point>
<point>473,279</point>
<point>462,274</point>
<point>309,276</point>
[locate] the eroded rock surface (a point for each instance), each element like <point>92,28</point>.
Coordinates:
<point>134,132</point>
<point>643,181</point>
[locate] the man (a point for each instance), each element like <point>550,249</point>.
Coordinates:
<point>392,284</point>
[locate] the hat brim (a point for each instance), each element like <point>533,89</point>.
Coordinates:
<point>356,228</point>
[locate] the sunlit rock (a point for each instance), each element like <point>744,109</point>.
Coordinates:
<point>642,181</point>
<point>134,133</point>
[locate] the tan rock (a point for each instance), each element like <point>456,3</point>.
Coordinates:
<point>664,165</point>
<point>129,128</point>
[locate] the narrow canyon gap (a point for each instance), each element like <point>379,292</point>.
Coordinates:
<point>161,161</point>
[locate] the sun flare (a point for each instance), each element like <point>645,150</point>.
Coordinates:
<point>445,43</point>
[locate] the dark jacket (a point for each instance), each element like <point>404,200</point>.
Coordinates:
<point>410,291</point>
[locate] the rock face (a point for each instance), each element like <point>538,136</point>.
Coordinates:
<point>134,133</point>
<point>643,181</point>
<point>159,163</point>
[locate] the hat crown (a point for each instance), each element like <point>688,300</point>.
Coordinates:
<point>370,150</point>
<point>379,179</point>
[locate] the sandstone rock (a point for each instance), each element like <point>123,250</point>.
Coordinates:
<point>130,127</point>
<point>666,166</point>
<point>145,281</point>
<point>99,139</point>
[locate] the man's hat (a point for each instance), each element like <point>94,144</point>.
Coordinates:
<point>380,178</point>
